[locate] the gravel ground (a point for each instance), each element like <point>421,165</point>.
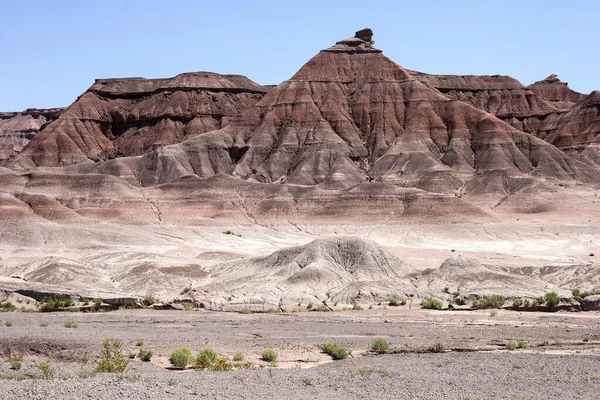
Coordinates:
<point>476,365</point>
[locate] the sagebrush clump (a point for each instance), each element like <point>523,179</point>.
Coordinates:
<point>431,304</point>
<point>145,355</point>
<point>46,370</point>
<point>517,303</point>
<point>112,358</point>
<point>209,360</point>
<point>57,302</point>
<point>7,307</point>
<point>221,364</point>
<point>577,293</point>
<point>205,359</point>
<point>551,299</point>
<point>336,351</point>
<point>181,357</point>
<point>379,345</point>
<point>15,362</point>
<point>491,301</point>
<point>269,355</point>
<point>437,348</point>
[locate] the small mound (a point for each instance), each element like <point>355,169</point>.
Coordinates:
<point>324,271</point>
<point>467,275</point>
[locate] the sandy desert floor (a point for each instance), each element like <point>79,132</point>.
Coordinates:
<point>476,364</point>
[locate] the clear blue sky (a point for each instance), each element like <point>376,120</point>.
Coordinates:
<point>51,51</point>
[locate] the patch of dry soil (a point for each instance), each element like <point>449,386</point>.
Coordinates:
<point>476,364</point>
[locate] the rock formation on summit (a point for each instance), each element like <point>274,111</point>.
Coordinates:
<point>555,91</point>
<point>361,42</point>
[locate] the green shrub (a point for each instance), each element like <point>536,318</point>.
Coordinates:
<point>238,356</point>
<point>145,355</point>
<point>181,357</point>
<point>491,301</point>
<point>69,324</point>
<point>551,299</point>
<point>394,302</point>
<point>245,365</point>
<point>15,363</point>
<point>517,303</point>
<point>205,359</point>
<point>538,301</point>
<point>7,307</point>
<point>208,360</point>
<point>221,364</point>
<point>112,358</point>
<point>43,324</point>
<point>511,346</point>
<point>585,294</point>
<point>586,338</point>
<point>245,310</point>
<point>336,351</point>
<point>8,324</point>
<point>526,303</point>
<point>437,348</point>
<point>356,307</point>
<point>431,304</point>
<point>46,370</point>
<point>269,355</point>
<point>521,344</point>
<point>55,303</point>
<point>379,345</point>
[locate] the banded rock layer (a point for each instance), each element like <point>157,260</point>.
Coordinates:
<point>351,115</point>
<point>18,128</point>
<point>128,117</point>
<point>350,124</point>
